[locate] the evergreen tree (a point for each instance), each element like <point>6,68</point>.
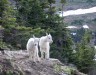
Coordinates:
<point>36,17</point>
<point>14,35</point>
<point>85,54</point>
<point>30,13</point>
<point>61,47</point>
<point>40,13</point>
<point>7,20</point>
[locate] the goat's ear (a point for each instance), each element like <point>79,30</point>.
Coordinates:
<point>46,34</point>
<point>33,36</point>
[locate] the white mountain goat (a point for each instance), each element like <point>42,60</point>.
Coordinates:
<point>44,44</point>
<point>32,48</point>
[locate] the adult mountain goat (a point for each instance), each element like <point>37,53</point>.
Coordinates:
<point>32,48</point>
<point>44,44</point>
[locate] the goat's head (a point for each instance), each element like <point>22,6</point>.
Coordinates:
<point>36,41</point>
<point>49,38</point>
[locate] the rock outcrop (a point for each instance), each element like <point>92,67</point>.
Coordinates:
<point>17,63</point>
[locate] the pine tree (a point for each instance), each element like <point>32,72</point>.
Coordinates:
<point>61,47</point>
<point>6,18</point>
<point>41,14</point>
<point>30,13</point>
<point>85,54</point>
<point>12,32</point>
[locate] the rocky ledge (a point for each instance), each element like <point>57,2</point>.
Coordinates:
<point>17,63</point>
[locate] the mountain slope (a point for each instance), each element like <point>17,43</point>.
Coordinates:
<point>79,20</point>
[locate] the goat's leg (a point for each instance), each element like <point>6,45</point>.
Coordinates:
<point>47,54</point>
<point>34,56</point>
<point>37,56</point>
<point>30,55</point>
<point>42,53</point>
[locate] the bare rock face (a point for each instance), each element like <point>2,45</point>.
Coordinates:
<point>18,63</point>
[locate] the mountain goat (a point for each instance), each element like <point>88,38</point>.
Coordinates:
<point>32,48</point>
<point>44,44</point>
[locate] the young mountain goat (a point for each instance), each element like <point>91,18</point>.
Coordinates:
<point>44,45</point>
<point>32,48</point>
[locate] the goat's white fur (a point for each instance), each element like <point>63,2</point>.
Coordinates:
<point>32,48</point>
<point>44,44</point>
